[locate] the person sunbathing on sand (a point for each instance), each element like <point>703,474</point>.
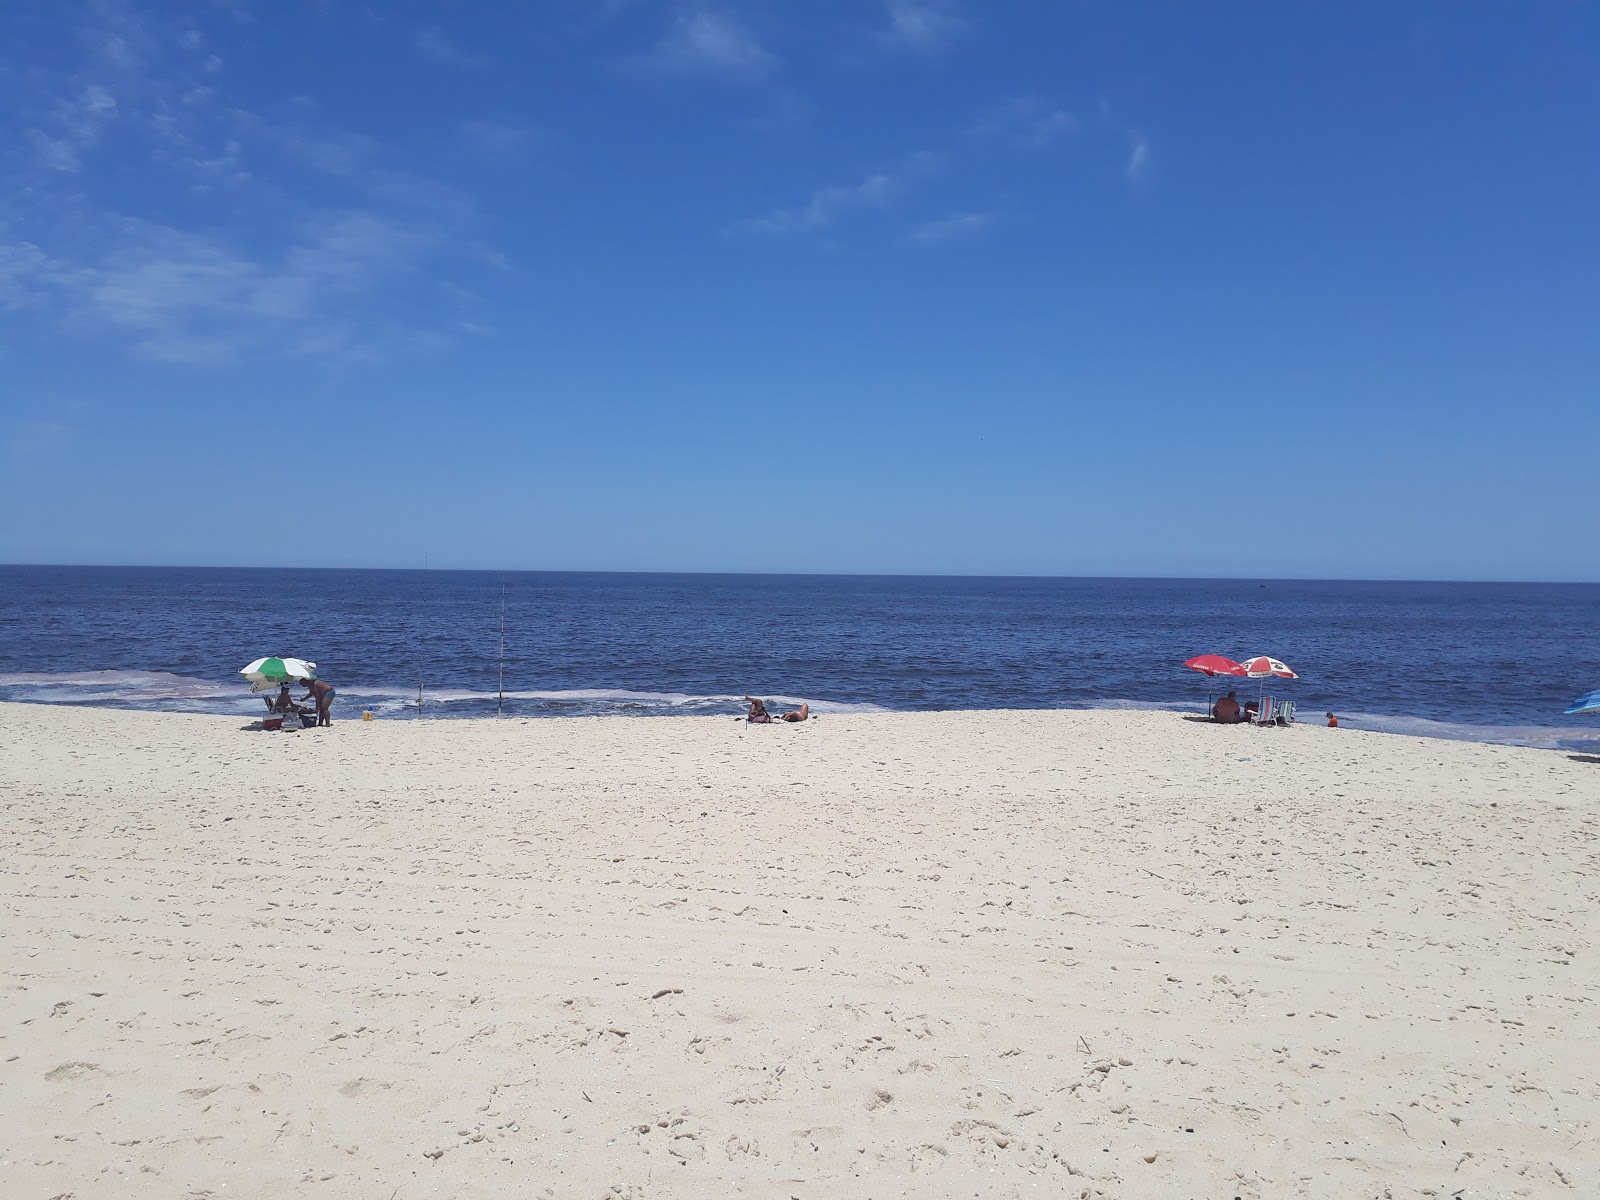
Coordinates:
<point>760,716</point>
<point>1227,710</point>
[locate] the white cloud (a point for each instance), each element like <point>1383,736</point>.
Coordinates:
<point>828,204</point>
<point>957,225</point>
<point>271,272</point>
<point>30,439</point>
<point>1138,156</point>
<point>73,128</point>
<point>498,141</point>
<point>193,297</point>
<point>432,43</point>
<point>333,152</point>
<point>1025,123</point>
<point>708,41</point>
<point>922,25</point>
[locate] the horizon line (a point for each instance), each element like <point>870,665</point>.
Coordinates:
<point>1261,579</point>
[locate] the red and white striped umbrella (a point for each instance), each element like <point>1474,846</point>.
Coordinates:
<point>1260,667</point>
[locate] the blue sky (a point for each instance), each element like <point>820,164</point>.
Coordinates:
<point>799,285</point>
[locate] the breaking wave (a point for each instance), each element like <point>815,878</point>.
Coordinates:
<point>165,692</point>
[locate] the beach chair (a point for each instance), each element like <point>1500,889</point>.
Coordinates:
<point>1265,716</point>
<point>1285,713</point>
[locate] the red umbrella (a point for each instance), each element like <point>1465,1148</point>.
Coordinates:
<point>1212,665</point>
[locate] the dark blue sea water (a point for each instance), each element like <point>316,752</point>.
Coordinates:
<point>1483,661</point>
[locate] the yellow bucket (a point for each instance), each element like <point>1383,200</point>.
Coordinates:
<point>367,715</point>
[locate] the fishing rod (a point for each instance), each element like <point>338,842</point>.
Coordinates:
<point>421,643</point>
<point>501,708</point>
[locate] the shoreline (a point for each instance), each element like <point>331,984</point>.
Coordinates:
<point>1574,738</point>
<point>1108,953</point>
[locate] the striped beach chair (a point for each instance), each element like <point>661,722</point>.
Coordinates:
<point>1265,716</point>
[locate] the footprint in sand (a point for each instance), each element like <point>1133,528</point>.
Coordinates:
<point>359,1087</point>
<point>879,1099</point>
<point>928,1157</point>
<point>69,1071</point>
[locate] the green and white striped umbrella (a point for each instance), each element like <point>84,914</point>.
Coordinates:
<point>267,673</point>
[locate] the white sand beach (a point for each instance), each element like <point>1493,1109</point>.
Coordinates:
<point>1082,954</point>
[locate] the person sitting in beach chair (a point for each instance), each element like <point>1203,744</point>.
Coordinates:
<point>281,703</point>
<point>1226,711</point>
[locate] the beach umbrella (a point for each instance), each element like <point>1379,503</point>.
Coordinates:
<point>1264,668</point>
<point>1260,667</point>
<point>1585,703</point>
<point>1212,665</point>
<point>267,673</point>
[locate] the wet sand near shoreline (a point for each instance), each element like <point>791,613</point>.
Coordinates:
<point>1063,953</point>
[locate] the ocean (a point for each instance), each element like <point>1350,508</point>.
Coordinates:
<point>1481,661</point>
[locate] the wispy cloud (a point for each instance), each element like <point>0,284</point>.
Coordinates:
<point>1025,123</point>
<point>30,439</point>
<point>498,141</point>
<point>331,151</point>
<point>827,205</point>
<point>193,298</point>
<point>1138,156</point>
<point>711,41</point>
<point>337,246</point>
<point>954,226</point>
<point>73,127</point>
<point>925,26</point>
<point>432,43</point>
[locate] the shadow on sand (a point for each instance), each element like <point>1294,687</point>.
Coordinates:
<point>1590,758</point>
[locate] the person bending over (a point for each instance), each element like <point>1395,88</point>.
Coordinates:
<point>322,692</point>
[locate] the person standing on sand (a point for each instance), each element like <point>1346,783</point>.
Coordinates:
<point>323,692</point>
